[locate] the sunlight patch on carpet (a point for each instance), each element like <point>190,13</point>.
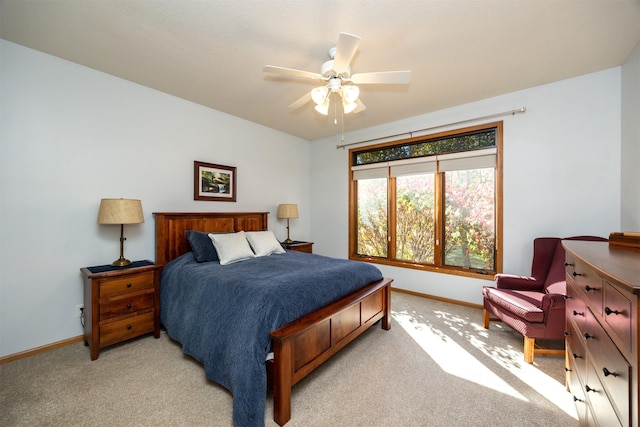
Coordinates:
<point>455,360</point>
<point>554,391</point>
<point>451,357</point>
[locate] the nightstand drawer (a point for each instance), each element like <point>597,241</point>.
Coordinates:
<point>130,327</point>
<point>124,306</point>
<point>121,285</point>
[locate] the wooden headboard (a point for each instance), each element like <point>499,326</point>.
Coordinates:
<point>171,241</point>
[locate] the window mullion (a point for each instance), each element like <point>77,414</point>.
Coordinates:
<point>438,256</point>
<point>391,227</point>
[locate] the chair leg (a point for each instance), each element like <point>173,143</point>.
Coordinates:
<point>529,345</point>
<point>485,318</point>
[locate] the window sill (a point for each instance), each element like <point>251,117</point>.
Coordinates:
<point>443,270</point>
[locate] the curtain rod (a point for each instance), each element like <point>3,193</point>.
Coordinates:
<point>410,133</point>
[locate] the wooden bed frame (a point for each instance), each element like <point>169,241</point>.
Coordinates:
<point>304,344</point>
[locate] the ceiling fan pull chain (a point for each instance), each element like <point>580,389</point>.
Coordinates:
<point>342,127</point>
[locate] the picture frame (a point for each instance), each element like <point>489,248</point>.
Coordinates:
<point>214,183</point>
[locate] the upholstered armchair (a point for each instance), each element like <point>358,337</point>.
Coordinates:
<point>533,306</point>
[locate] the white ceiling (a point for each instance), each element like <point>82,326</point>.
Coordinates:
<point>212,52</point>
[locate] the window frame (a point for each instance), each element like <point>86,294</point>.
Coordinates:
<point>439,266</point>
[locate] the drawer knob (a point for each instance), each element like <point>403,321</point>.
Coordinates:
<point>567,333</point>
<point>576,274</point>
<point>568,264</point>
<point>577,313</point>
<point>577,356</point>
<point>128,327</point>
<point>589,288</point>
<point>575,399</point>
<point>608,372</point>
<point>567,369</point>
<point>566,297</point>
<point>608,311</point>
<point>128,305</point>
<point>587,336</point>
<point>590,389</point>
<point>128,285</point>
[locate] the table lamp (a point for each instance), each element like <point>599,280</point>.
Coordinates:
<point>120,211</point>
<point>288,211</point>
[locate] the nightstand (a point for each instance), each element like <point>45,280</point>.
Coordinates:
<point>299,246</point>
<point>120,303</point>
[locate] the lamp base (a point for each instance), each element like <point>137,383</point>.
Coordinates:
<point>120,262</point>
<point>288,241</point>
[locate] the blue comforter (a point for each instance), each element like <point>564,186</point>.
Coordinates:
<point>223,314</point>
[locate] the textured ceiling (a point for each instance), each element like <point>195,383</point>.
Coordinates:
<point>213,52</point>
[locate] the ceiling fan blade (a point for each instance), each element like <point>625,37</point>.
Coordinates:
<point>347,46</point>
<point>360,107</point>
<point>300,101</point>
<point>382,77</point>
<point>291,72</point>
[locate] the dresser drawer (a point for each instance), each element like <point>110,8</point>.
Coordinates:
<point>575,351</point>
<point>603,411</point>
<point>575,386</point>
<point>576,307</point>
<point>124,306</point>
<point>613,371</point>
<point>590,284</point>
<point>120,330</point>
<point>617,314</point>
<point>114,286</point>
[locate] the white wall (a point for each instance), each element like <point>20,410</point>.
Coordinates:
<point>71,136</point>
<point>561,174</point>
<point>630,203</point>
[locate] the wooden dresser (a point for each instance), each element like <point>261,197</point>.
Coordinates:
<point>120,303</point>
<point>603,287</point>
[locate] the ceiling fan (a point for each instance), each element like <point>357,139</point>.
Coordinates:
<point>337,78</point>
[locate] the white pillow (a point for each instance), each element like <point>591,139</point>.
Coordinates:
<point>264,243</point>
<point>231,247</point>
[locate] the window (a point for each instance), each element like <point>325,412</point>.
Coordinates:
<point>431,203</point>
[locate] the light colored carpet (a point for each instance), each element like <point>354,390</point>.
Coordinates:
<point>437,366</point>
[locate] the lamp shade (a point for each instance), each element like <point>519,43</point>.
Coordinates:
<point>319,94</point>
<point>348,107</point>
<point>288,211</point>
<point>120,211</point>
<point>323,108</point>
<point>350,93</point>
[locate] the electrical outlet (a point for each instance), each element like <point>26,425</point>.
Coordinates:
<point>79,309</point>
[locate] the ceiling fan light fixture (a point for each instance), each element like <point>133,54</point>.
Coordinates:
<point>323,108</point>
<point>319,94</point>
<point>337,78</point>
<point>350,93</point>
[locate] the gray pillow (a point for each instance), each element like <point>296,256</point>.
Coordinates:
<point>201,246</point>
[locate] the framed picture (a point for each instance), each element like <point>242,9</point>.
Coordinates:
<point>216,183</point>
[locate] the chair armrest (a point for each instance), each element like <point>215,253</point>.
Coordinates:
<point>518,283</point>
<point>553,306</point>
<point>550,301</point>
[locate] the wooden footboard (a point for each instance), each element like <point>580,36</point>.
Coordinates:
<point>303,345</point>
